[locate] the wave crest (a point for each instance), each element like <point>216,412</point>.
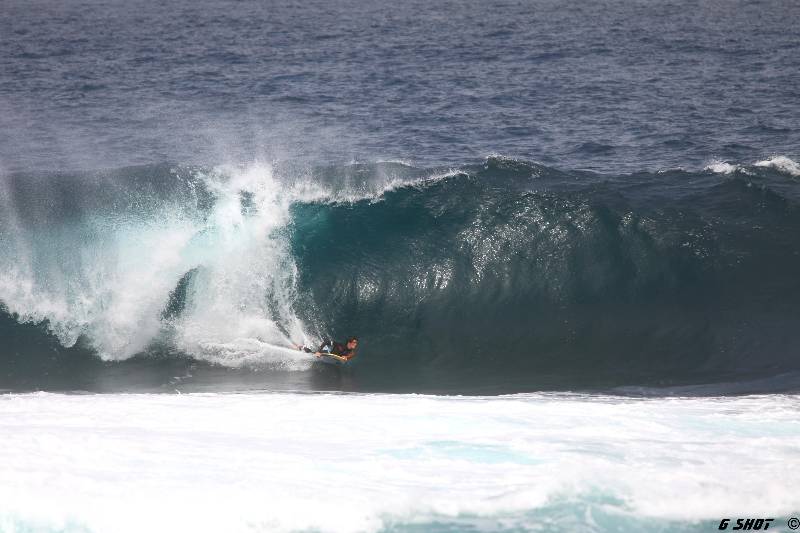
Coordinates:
<point>504,270</point>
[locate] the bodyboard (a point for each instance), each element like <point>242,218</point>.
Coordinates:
<point>331,360</point>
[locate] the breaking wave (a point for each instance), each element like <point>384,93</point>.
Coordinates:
<point>505,272</point>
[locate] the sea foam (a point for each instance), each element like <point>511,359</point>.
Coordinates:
<point>782,164</point>
<point>348,463</point>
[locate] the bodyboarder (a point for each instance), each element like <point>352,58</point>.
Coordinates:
<point>342,351</point>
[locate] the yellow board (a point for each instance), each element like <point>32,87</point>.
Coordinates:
<point>331,359</point>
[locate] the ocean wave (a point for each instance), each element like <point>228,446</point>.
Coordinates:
<point>504,271</point>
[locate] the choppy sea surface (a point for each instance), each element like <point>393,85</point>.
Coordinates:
<point>565,232</point>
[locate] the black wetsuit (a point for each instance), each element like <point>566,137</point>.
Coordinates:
<point>337,348</point>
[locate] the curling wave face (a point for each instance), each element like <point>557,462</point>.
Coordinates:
<point>505,274</point>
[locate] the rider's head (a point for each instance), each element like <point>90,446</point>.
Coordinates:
<point>352,343</point>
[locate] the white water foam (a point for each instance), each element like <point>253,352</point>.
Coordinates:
<point>113,278</point>
<point>118,290</point>
<point>782,164</point>
<point>722,167</point>
<point>244,287</point>
<point>373,191</point>
<point>362,463</point>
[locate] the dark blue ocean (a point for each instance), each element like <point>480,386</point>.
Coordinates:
<point>495,196</point>
<point>611,86</point>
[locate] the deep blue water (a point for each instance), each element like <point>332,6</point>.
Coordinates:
<point>604,85</point>
<point>497,196</point>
